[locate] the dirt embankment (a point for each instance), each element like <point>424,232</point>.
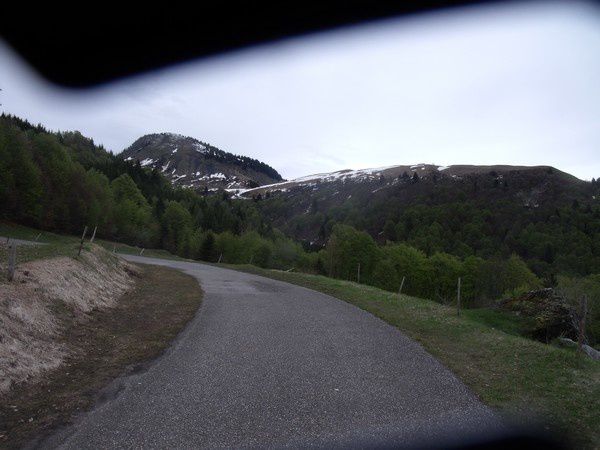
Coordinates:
<point>45,298</point>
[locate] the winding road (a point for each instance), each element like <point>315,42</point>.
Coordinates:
<point>269,364</point>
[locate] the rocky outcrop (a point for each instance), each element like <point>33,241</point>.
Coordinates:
<point>552,315</point>
<point>589,351</point>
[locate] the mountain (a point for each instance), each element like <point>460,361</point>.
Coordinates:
<point>462,210</point>
<point>393,175</point>
<point>188,162</point>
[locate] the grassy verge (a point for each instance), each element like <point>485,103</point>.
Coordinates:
<point>63,245</point>
<point>32,252</point>
<point>505,321</point>
<point>131,250</point>
<point>12,230</point>
<point>516,375</point>
<point>114,342</point>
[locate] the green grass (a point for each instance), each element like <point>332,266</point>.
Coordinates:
<point>63,245</point>
<point>505,321</point>
<point>517,376</point>
<point>51,244</point>
<point>32,252</point>
<point>12,230</point>
<point>131,250</point>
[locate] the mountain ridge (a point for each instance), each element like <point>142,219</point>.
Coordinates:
<point>422,170</point>
<point>189,162</point>
<point>389,202</point>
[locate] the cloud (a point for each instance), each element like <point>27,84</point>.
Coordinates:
<point>510,84</point>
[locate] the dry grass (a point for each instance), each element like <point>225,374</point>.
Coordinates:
<point>30,322</point>
<point>110,342</point>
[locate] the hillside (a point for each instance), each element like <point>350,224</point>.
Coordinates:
<point>187,162</point>
<point>462,210</point>
<point>392,175</point>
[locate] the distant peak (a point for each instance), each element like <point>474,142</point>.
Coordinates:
<point>189,162</point>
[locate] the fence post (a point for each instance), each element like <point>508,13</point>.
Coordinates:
<point>220,257</point>
<point>458,298</point>
<point>142,252</point>
<point>331,265</point>
<point>93,234</point>
<point>82,238</point>
<point>12,261</point>
<point>401,286</point>
<point>358,274</point>
<point>581,336</point>
<point>251,258</point>
<point>114,249</point>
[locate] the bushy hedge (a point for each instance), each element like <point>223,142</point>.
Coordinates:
<point>434,277</point>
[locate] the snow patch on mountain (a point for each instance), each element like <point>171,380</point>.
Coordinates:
<point>389,173</point>
<point>146,162</point>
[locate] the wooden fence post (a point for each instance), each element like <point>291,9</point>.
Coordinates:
<point>93,234</point>
<point>458,298</point>
<point>82,238</point>
<point>331,265</point>
<point>401,286</point>
<point>142,252</point>
<point>220,257</point>
<point>12,261</point>
<point>251,258</point>
<point>114,249</point>
<point>358,274</point>
<point>581,336</point>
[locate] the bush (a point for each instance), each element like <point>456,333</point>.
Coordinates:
<point>346,249</point>
<point>573,289</point>
<point>385,275</point>
<point>413,265</point>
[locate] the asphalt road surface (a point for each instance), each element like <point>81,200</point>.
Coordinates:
<point>269,364</point>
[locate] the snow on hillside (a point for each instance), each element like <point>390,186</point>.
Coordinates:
<point>349,175</point>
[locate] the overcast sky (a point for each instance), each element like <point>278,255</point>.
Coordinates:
<point>484,85</point>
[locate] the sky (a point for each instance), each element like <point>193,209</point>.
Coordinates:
<point>494,84</point>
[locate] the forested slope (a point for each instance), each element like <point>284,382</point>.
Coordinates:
<point>547,217</point>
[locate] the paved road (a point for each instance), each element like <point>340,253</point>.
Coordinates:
<point>266,363</point>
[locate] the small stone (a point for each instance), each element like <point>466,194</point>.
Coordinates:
<point>591,352</point>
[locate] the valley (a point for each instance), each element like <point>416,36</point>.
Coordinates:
<point>521,242</point>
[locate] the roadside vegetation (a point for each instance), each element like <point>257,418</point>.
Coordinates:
<point>524,379</point>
